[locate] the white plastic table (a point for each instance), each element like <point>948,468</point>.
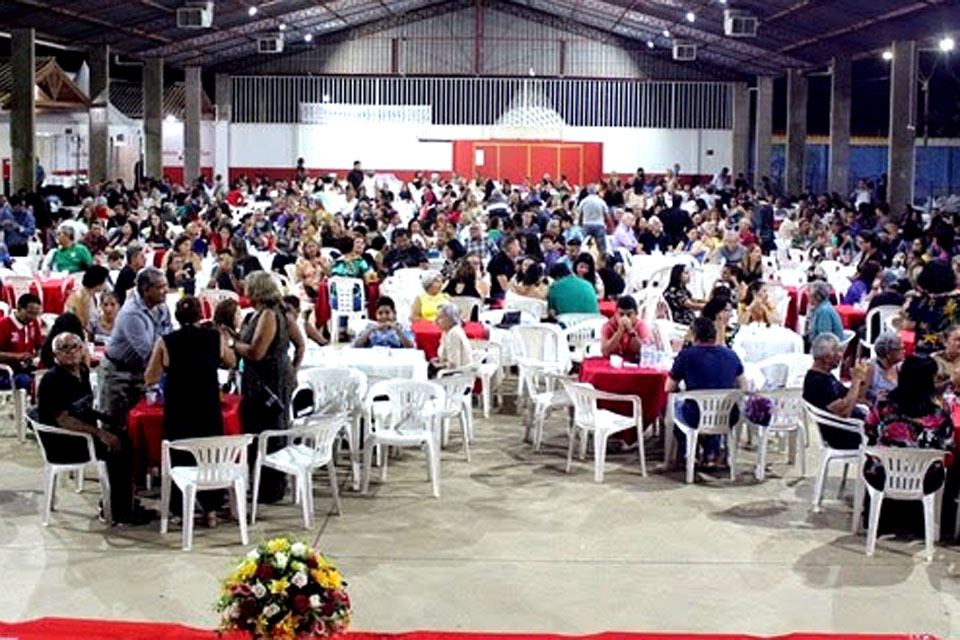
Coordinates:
<point>376,362</point>
<point>754,342</point>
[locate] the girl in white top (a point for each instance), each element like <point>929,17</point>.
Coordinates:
<point>455,350</point>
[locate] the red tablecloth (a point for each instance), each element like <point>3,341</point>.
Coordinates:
<point>145,427</point>
<point>647,383</point>
<point>851,316</point>
<point>798,306</point>
<point>607,307</point>
<point>52,292</point>
<point>322,305</point>
<point>427,335</point>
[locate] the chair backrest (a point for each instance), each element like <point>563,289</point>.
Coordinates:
<point>534,306</point>
<point>302,402</point>
<point>583,397</point>
<point>667,333</point>
<point>220,459</point>
<point>544,342</point>
<point>875,323</point>
<point>769,263</point>
<point>823,418</point>
<point>21,285</point>
<point>335,389</point>
<point>343,295</point>
<point>660,278</point>
<point>905,469</point>
<point>715,407</point>
<point>210,298</point>
<point>456,384</point>
<point>282,282</point>
<point>329,253</point>
<point>848,335</point>
<point>319,433</point>
<point>291,270</point>
<point>408,400</point>
<point>469,307</point>
<point>486,352</point>
<point>653,306</point>
<point>786,407</point>
<point>625,256</point>
<point>39,428</point>
<point>570,320</point>
<point>791,277</point>
<point>580,335</point>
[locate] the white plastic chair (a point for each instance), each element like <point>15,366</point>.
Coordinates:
<point>534,306</point>
<point>18,402</point>
<point>570,320</point>
<point>547,394</point>
<point>589,418</point>
<point>21,285</point>
<point>221,464</point>
<point>715,408</point>
<point>457,387</point>
<point>412,420</point>
<point>344,291</point>
<point>213,297</point>
<point>585,337</point>
<point>785,370</point>
<point>904,471</point>
<point>786,418</point>
<point>52,470</point>
<point>791,277</point>
<point>825,419</point>
<point>469,307</point>
<point>310,446</point>
<point>666,333</point>
<point>542,346</point>
<point>488,361</point>
<point>338,390</point>
<point>875,324</point>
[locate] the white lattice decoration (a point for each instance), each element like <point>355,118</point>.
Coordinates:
<point>530,115</point>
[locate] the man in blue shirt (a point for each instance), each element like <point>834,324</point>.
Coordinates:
<point>18,225</point>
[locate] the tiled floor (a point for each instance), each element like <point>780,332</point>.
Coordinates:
<point>513,544</point>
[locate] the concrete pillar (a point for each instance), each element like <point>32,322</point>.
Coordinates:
<point>23,128</point>
<point>191,125</point>
<point>99,142</point>
<point>763,135</point>
<point>841,89</point>
<point>903,125</point>
<point>224,99</point>
<point>796,132</point>
<point>741,129</point>
<point>153,118</point>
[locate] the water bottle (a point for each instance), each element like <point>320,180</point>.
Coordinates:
<point>646,353</point>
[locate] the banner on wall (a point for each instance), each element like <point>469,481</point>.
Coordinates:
<point>329,113</point>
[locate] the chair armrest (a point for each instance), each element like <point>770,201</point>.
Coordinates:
<point>634,400</point>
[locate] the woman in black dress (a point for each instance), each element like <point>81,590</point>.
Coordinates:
<point>190,356</point>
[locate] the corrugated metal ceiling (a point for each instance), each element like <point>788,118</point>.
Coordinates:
<point>792,32</point>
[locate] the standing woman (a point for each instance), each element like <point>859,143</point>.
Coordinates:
<point>190,356</point>
<point>263,344</point>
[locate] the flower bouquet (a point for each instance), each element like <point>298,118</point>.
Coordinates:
<point>284,589</point>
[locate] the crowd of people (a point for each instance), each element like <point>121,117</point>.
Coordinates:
<point>568,246</point>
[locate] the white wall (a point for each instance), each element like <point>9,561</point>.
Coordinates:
<point>429,148</point>
<point>173,143</point>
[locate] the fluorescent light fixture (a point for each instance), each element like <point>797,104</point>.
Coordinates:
<point>947,44</point>
<point>308,37</point>
<point>251,11</point>
<point>887,55</point>
<point>691,16</point>
<point>171,118</point>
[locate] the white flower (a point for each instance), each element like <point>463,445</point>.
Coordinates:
<point>300,579</point>
<point>233,612</point>
<point>315,601</point>
<point>271,610</point>
<point>253,555</point>
<point>258,590</point>
<point>280,560</point>
<point>298,550</point>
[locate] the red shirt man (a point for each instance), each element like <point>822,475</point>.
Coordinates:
<point>20,338</point>
<point>625,332</point>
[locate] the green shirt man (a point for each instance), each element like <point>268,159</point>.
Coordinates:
<point>572,294</point>
<point>72,259</point>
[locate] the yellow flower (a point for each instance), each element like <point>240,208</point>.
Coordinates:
<point>327,577</point>
<point>279,586</point>
<point>245,570</point>
<point>278,544</point>
<point>287,627</point>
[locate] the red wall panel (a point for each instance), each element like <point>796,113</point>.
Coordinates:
<point>516,160</point>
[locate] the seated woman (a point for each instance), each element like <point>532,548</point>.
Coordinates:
<point>352,264</point>
<point>583,267</point>
<point>934,307</point>
<point>455,350</point>
<point>465,281</point>
<point>823,317</point>
<point>883,367</point>
<point>181,276</point>
<point>719,310</point>
<point>678,296</point>
<point>83,302</point>
<point>948,361</point>
<point>862,284</point>
<point>752,267</point>
<point>757,306</point>
<point>311,267</point>
<point>625,333</point>
<point>426,304</point>
<point>101,327</point>
<point>912,417</point>
<point>453,253</point>
<point>531,282</point>
<point>386,332</point>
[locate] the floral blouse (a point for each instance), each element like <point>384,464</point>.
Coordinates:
<point>886,426</point>
<point>677,300</point>
<point>933,315</point>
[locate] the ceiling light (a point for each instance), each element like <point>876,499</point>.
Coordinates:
<point>251,11</point>
<point>649,44</point>
<point>171,118</point>
<point>691,16</point>
<point>887,55</point>
<point>532,72</point>
<point>947,44</point>
<point>666,33</point>
<point>283,27</point>
<point>722,1</point>
<point>308,37</point>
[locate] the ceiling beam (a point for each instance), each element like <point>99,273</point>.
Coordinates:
<point>86,17</point>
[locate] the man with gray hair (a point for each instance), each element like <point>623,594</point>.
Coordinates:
<point>822,317</point>
<point>71,256</point>
<point>822,389</point>
<point>141,322</point>
<point>593,217</point>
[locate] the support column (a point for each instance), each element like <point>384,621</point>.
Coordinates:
<point>796,132</point>
<point>99,140</point>
<point>741,129</point>
<point>23,111</point>
<point>840,93</point>
<point>191,125</point>
<point>903,126</point>
<point>763,135</point>
<point>224,99</point>
<point>153,118</point>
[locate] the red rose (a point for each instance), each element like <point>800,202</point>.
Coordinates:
<point>312,561</point>
<point>248,608</point>
<point>301,603</point>
<point>264,572</point>
<point>328,608</point>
